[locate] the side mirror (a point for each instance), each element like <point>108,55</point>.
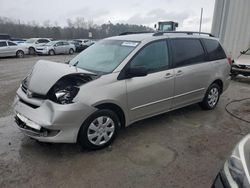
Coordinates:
<point>242,52</point>
<point>155,26</point>
<point>136,72</point>
<point>36,42</point>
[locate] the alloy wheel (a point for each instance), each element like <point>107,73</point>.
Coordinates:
<point>213,97</point>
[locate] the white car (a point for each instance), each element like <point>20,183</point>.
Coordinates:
<point>33,43</point>
<point>9,48</point>
<point>242,64</point>
<point>85,42</point>
<point>56,47</point>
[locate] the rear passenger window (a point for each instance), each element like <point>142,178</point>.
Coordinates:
<point>154,57</point>
<point>187,51</point>
<point>12,44</point>
<point>2,44</point>
<point>214,49</point>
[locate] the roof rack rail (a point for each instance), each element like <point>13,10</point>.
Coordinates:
<point>134,32</point>
<point>183,32</point>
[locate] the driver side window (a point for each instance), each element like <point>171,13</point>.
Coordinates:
<point>154,57</point>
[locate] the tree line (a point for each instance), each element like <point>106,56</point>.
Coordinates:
<point>78,28</point>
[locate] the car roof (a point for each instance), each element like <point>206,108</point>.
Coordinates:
<point>153,36</point>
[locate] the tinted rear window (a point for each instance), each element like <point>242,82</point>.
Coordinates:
<point>187,51</point>
<point>214,49</point>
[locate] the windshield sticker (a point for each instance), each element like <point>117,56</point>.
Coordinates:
<point>131,44</point>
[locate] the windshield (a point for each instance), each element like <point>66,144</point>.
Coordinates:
<point>104,56</point>
<point>30,40</point>
<point>247,52</point>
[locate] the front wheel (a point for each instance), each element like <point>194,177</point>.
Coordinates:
<point>99,130</point>
<point>71,51</point>
<point>51,52</point>
<point>32,51</point>
<point>211,98</point>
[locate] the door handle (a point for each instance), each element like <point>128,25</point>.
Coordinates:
<point>179,72</point>
<point>168,75</point>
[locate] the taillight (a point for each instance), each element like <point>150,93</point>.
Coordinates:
<point>230,61</point>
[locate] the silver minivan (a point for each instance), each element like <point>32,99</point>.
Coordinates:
<point>118,81</point>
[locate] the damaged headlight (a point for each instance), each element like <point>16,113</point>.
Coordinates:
<point>65,89</point>
<point>66,95</point>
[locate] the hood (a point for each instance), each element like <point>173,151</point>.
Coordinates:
<point>243,60</point>
<point>46,73</point>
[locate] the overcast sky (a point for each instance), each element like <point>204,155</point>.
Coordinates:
<point>145,12</point>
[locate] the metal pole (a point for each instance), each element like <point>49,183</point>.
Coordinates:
<point>201,19</point>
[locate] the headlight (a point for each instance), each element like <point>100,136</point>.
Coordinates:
<point>236,167</point>
<point>236,170</point>
<point>66,96</point>
<point>67,87</point>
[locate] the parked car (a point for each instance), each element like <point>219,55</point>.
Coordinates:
<point>118,81</point>
<point>85,42</point>
<point>56,47</point>
<point>235,172</point>
<point>18,40</point>
<point>242,64</point>
<point>32,43</point>
<point>78,45</point>
<point>9,48</point>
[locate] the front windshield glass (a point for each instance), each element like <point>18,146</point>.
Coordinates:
<point>30,40</point>
<point>247,52</point>
<point>104,56</point>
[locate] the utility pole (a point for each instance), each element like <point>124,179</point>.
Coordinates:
<point>201,19</point>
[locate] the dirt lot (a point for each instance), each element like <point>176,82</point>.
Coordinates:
<point>184,148</point>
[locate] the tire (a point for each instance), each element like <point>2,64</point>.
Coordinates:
<point>211,98</point>
<point>51,52</point>
<point>32,51</point>
<point>20,54</point>
<point>71,51</point>
<point>92,133</point>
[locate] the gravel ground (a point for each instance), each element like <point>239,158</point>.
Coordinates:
<point>183,148</point>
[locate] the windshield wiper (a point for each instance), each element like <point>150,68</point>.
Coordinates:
<point>75,64</point>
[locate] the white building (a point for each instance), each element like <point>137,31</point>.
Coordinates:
<point>231,23</point>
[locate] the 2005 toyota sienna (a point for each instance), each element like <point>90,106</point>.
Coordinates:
<point>118,81</point>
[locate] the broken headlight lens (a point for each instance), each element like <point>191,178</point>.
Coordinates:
<point>66,95</point>
<point>63,95</point>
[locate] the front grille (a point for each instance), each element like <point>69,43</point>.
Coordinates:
<point>33,95</point>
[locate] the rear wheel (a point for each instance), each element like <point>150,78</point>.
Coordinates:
<point>51,52</point>
<point>20,54</point>
<point>99,130</point>
<point>211,98</point>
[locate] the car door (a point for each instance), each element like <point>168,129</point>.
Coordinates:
<point>66,47</point>
<point>12,48</point>
<point>192,71</point>
<point>59,48</point>
<point>151,94</point>
<point>3,49</point>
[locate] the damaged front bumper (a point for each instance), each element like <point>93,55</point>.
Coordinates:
<point>240,69</point>
<point>49,121</point>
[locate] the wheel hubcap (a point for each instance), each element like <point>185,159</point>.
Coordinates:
<point>101,130</point>
<point>213,97</point>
